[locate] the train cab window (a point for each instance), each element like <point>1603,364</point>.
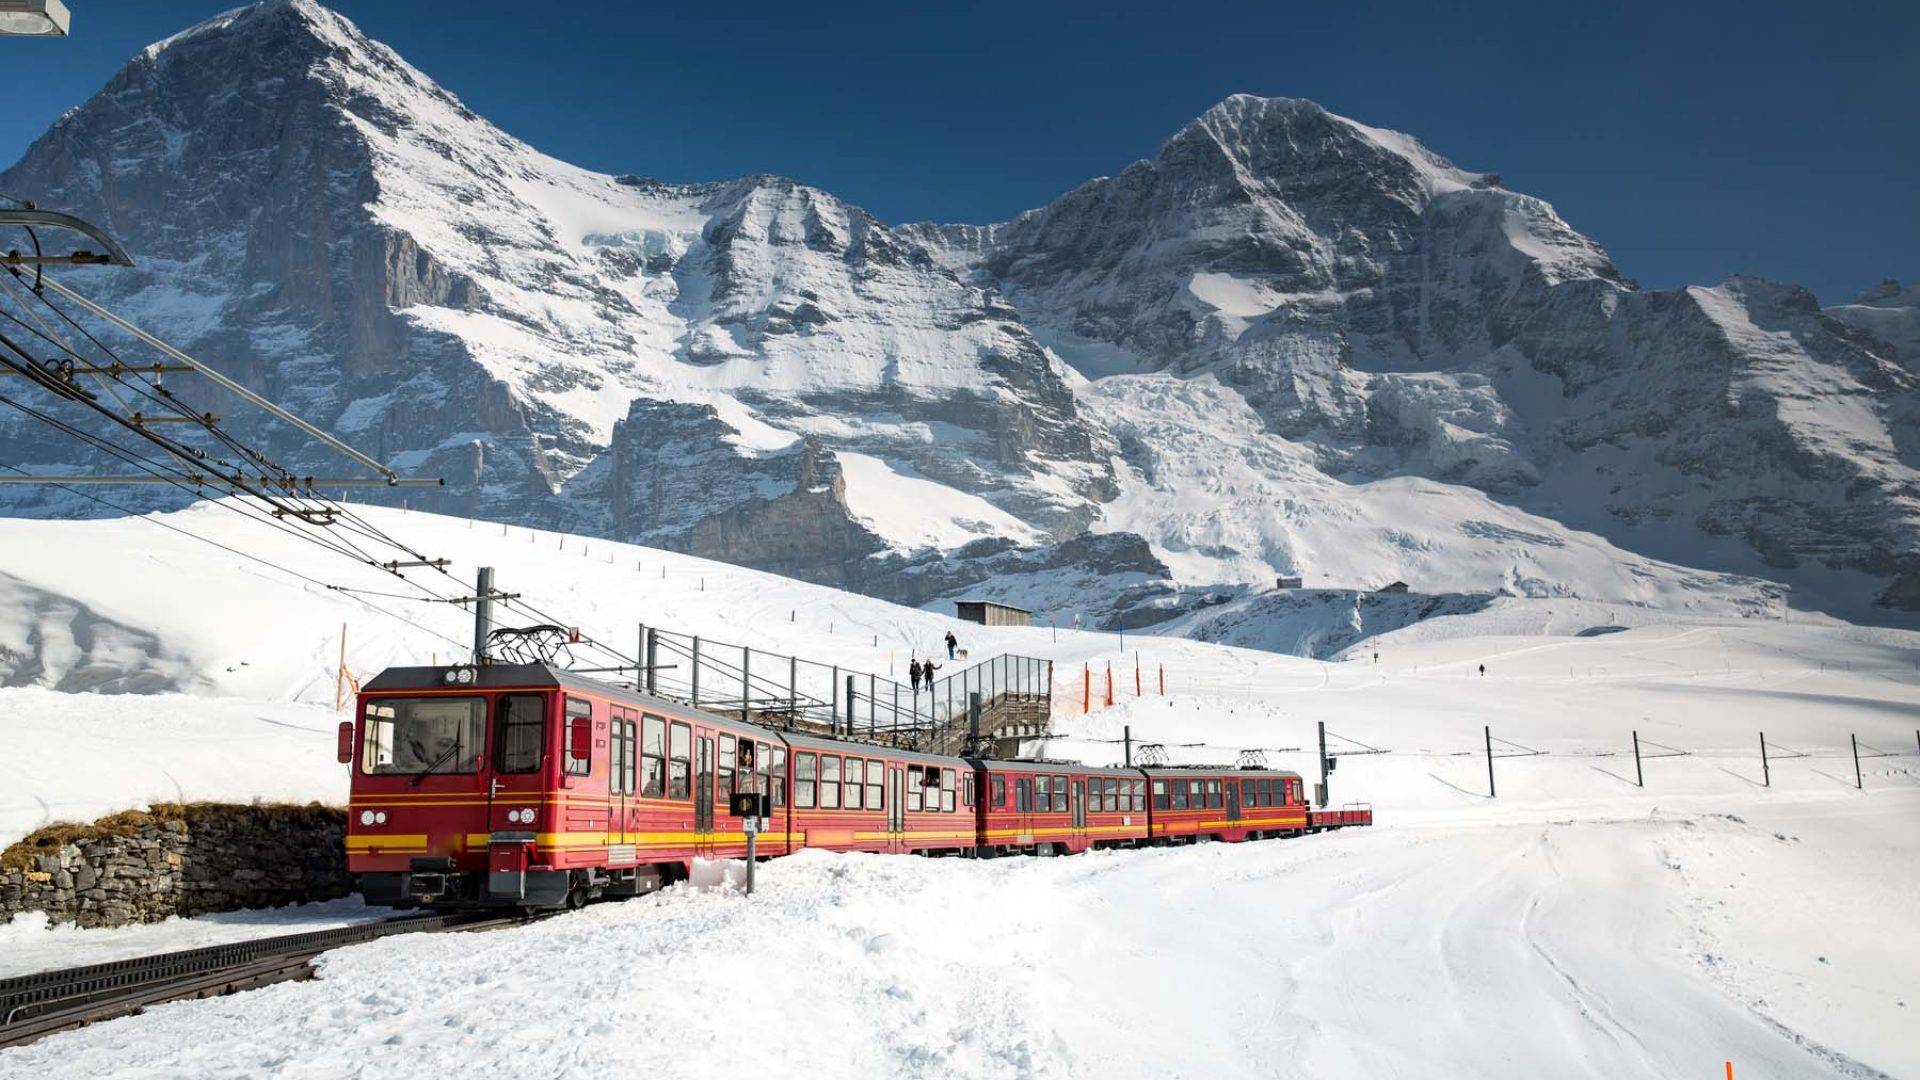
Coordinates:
<point>579,711</point>
<point>949,790</point>
<point>1023,795</point>
<point>876,785</point>
<point>1160,795</point>
<point>653,757</point>
<point>779,768</point>
<point>680,762</point>
<point>999,791</point>
<point>726,767</point>
<point>855,780</point>
<point>803,780</point>
<point>916,787</point>
<point>425,736</point>
<point>519,740</point>
<point>829,782</point>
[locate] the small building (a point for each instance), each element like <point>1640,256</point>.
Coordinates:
<point>1287,582</point>
<point>1395,587</point>
<point>988,613</point>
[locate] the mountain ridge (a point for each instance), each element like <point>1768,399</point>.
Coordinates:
<point>754,369</point>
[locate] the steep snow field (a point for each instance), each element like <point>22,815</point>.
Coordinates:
<point>1577,925</point>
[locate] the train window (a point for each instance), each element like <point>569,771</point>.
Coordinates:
<point>726,767</point>
<point>1213,795</point>
<point>653,757</point>
<point>916,785</point>
<point>762,771</point>
<point>424,736</point>
<point>876,785</point>
<point>519,739</point>
<point>856,775</point>
<point>1114,796</point>
<point>1178,795</point>
<point>803,781</point>
<point>578,710</point>
<point>949,790</point>
<point>829,782</point>
<point>779,776</point>
<point>622,773</point>
<point>967,793</point>
<point>1043,794</point>
<point>1160,795</point>
<point>1023,795</point>
<point>999,791</point>
<point>1059,794</point>
<point>1139,794</point>
<point>1266,793</point>
<point>680,762</point>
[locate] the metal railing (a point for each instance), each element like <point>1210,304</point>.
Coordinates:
<point>790,692</point>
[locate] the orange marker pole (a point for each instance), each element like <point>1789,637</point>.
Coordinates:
<point>1109,682</point>
<point>1086,688</point>
<point>1729,1070</point>
<point>1136,675</point>
<point>1163,680</point>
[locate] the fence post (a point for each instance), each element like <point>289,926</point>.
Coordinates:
<point>850,703</point>
<point>973,724</point>
<point>1858,781</point>
<point>1639,778</point>
<point>873,701</point>
<point>1766,772</point>
<point>1490,788</point>
<point>833,709</point>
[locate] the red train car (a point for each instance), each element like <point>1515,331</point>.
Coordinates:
<point>528,786</point>
<point>850,796</point>
<point>1190,804</point>
<point>1056,807</point>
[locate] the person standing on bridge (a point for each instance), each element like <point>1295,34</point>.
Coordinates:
<point>913,675</point>
<point>953,645</point>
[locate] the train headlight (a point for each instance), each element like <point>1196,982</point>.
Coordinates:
<point>460,676</point>
<point>380,817</point>
<point>366,817</point>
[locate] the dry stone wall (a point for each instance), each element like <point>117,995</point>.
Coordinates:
<point>177,859</point>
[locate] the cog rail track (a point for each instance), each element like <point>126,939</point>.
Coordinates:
<point>37,1005</point>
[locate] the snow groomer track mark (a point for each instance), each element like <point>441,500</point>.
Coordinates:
<point>40,1004</point>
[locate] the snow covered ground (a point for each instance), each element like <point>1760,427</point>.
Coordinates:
<point>1577,925</point>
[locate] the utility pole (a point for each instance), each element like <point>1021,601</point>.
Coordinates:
<point>973,724</point>
<point>482,613</point>
<point>1322,792</point>
<point>1491,793</point>
<point>1126,739</point>
<point>653,660</point>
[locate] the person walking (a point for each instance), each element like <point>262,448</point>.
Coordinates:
<point>953,646</point>
<point>913,673</point>
<point>1483,671</point>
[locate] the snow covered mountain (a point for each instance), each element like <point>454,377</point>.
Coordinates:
<point>1289,343</point>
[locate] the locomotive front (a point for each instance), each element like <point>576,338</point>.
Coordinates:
<point>451,785</point>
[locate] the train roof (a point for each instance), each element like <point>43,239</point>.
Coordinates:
<point>516,676</point>
<point>1038,767</point>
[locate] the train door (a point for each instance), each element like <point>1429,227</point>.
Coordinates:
<point>1233,799</point>
<point>703,791</point>
<point>896,807</point>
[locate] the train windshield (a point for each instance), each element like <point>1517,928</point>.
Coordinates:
<point>423,736</point>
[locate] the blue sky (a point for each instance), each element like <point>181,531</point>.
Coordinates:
<point>1693,140</point>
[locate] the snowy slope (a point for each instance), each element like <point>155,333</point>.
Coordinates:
<point>1577,924</point>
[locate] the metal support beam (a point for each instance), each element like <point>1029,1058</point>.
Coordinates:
<point>115,254</point>
<point>115,370</point>
<point>482,613</point>
<point>304,483</point>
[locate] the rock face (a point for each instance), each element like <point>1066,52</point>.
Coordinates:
<point>146,866</point>
<point>755,370</point>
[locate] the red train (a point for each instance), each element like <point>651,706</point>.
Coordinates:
<point>528,786</point>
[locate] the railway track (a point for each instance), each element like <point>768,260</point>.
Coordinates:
<point>37,1005</point>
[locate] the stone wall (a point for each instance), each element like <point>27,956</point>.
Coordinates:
<point>177,859</point>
